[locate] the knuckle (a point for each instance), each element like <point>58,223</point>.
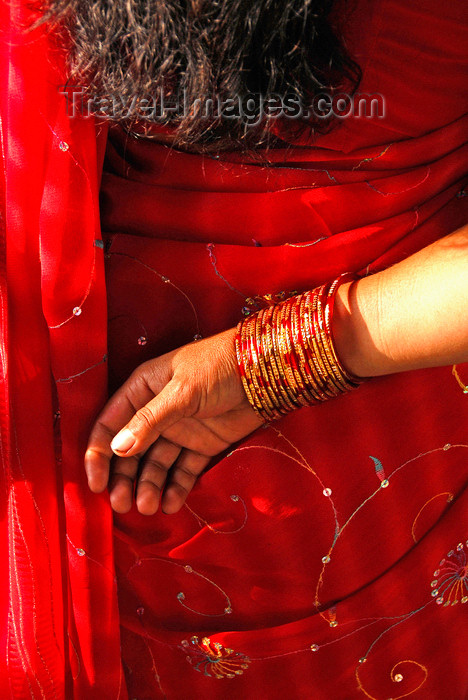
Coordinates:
<point>101,427</point>
<point>151,484</point>
<point>182,490</point>
<point>179,387</point>
<point>138,380</point>
<point>184,394</point>
<point>153,465</point>
<point>144,419</point>
<point>117,476</point>
<point>193,476</point>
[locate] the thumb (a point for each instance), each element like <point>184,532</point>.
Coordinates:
<point>168,407</point>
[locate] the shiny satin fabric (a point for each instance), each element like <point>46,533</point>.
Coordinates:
<point>311,554</point>
<point>320,558</point>
<point>53,384</point>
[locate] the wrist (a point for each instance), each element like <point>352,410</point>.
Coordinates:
<point>362,351</point>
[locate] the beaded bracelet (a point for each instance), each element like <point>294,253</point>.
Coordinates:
<point>286,354</point>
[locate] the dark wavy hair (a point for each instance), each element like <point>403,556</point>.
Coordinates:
<point>136,49</point>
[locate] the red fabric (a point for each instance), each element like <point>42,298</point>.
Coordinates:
<point>54,644</point>
<point>189,239</point>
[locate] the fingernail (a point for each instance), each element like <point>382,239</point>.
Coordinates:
<point>123,441</point>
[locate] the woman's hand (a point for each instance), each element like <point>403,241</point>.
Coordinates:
<point>166,422</point>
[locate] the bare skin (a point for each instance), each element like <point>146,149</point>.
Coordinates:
<point>177,411</point>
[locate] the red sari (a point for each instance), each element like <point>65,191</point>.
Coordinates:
<point>323,557</point>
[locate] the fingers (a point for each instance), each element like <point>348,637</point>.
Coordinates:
<point>182,479</point>
<point>157,462</point>
<point>98,456</point>
<point>122,483</point>
<point>150,421</point>
<point>118,410</point>
<point>165,468</point>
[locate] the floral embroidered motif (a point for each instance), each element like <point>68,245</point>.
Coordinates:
<point>396,678</point>
<point>214,660</point>
<point>450,584</point>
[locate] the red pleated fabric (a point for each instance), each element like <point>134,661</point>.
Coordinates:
<point>324,557</point>
<point>59,627</point>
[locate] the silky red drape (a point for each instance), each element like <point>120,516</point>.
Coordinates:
<point>374,480</point>
<point>51,646</point>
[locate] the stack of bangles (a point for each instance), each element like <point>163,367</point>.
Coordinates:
<point>286,354</point>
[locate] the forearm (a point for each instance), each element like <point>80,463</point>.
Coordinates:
<point>409,316</point>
